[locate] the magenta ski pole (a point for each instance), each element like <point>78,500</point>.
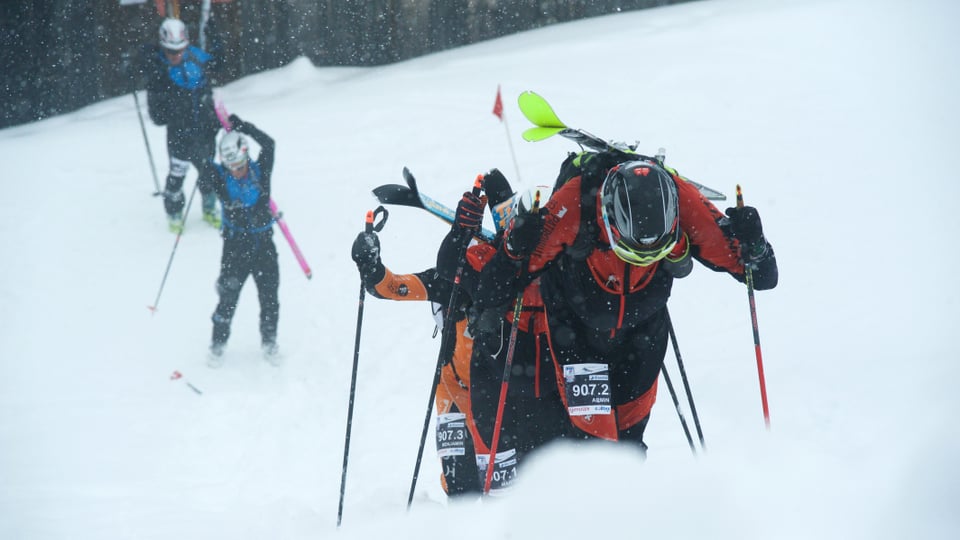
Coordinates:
<point>224,118</point>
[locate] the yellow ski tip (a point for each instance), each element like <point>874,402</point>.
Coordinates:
<point>538,111</point>
<point>535,134</point>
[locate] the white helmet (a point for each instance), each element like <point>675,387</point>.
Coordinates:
<point>519,203</point>
<point>233,150</point>
<point>173,35</point>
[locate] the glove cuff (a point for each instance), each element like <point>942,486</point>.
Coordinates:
<point>372,274</point>
<point>755,251</point>
<point>678,269</point>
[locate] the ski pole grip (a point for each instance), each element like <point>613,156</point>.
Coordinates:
<point>478,185</point>
<point>739,197</point>
<point>371,224</point>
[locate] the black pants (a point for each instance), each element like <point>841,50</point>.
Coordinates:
<point>533,413</point>
<point>245,255</point>
<point>460,473</point>
<point>634,356</point>
<point>185,147</point>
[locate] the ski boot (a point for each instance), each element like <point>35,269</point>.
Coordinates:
<point>215,356</point>
<point>271,352</point>
<point>210,214</point>
<point>175,222</point>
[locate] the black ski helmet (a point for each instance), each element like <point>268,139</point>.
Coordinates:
<point>640,210</point>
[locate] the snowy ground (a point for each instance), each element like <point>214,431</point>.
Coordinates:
<point>839,118</point>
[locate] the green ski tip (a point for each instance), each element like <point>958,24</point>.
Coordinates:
<point>535,134</point>
<point>538,111</point>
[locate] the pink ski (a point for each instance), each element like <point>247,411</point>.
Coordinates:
<point>277,215</point>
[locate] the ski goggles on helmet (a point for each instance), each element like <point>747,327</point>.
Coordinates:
<point>639,254</point>
<point>238,166</point>
<point>638,203</point>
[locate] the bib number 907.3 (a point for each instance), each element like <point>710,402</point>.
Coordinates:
<point>451,434</point>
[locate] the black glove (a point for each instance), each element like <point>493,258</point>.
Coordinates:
<point>745,226</point>
<point>470,212</point>
<point>496,187</point>
<point>236,123</point>
<point>524,234</point>
<point>366,253</point>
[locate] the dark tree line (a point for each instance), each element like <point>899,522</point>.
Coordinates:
<point>60,55</point>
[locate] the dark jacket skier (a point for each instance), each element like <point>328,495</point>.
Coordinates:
<point>530,415</point>
<point>607,248</point>
<point>180,96</point>
<point>243,186</point>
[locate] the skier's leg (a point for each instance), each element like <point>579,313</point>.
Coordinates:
<point>203,149</point>
<point>266,274</point>
<point>173,198</point>
<point>178,151</point>
<point>635,378</point>
<point>233,272</point>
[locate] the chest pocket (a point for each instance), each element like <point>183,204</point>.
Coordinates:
<point>609,273</point>
<point>244,192</point>
<point>188,75</point>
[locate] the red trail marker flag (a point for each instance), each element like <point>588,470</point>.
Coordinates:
<point>498,105</point>
<point>498,112</point>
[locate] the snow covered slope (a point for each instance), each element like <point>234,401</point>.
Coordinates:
<point>839,119</point>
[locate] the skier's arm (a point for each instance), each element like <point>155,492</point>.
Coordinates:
<point>158,101</point>
<point>744,224</point>
<point>214,47</point>
<point>207,176</point>
<point>718,246</point>
<point>380,282</point>
<point>400,286</point>
<point>266,142</point>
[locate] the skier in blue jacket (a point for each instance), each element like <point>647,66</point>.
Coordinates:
<point>243,186</point>
<point>180,96</point>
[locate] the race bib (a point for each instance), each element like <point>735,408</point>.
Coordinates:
<point>504,470</point>
<point>588,389</point>
<point>451,434</point>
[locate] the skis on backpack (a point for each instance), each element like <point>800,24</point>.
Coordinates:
<point>224,118</point>
<point>547,124</point>
<point>409,195</point>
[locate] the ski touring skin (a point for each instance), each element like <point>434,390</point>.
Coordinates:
<point>410,195</point>
<point>547,124</point>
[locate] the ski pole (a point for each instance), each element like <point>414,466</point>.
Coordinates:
<point>504,384</point>
<point>204,19</point>
<point>176,375</point>
<point>748,270</point>
<point>507,368</point>
<point>449,332</point>
<point>186,211</point>
<point>146,142</point>
<point>686,383</point>
<point>369,227</point>
<point>676,405</point>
